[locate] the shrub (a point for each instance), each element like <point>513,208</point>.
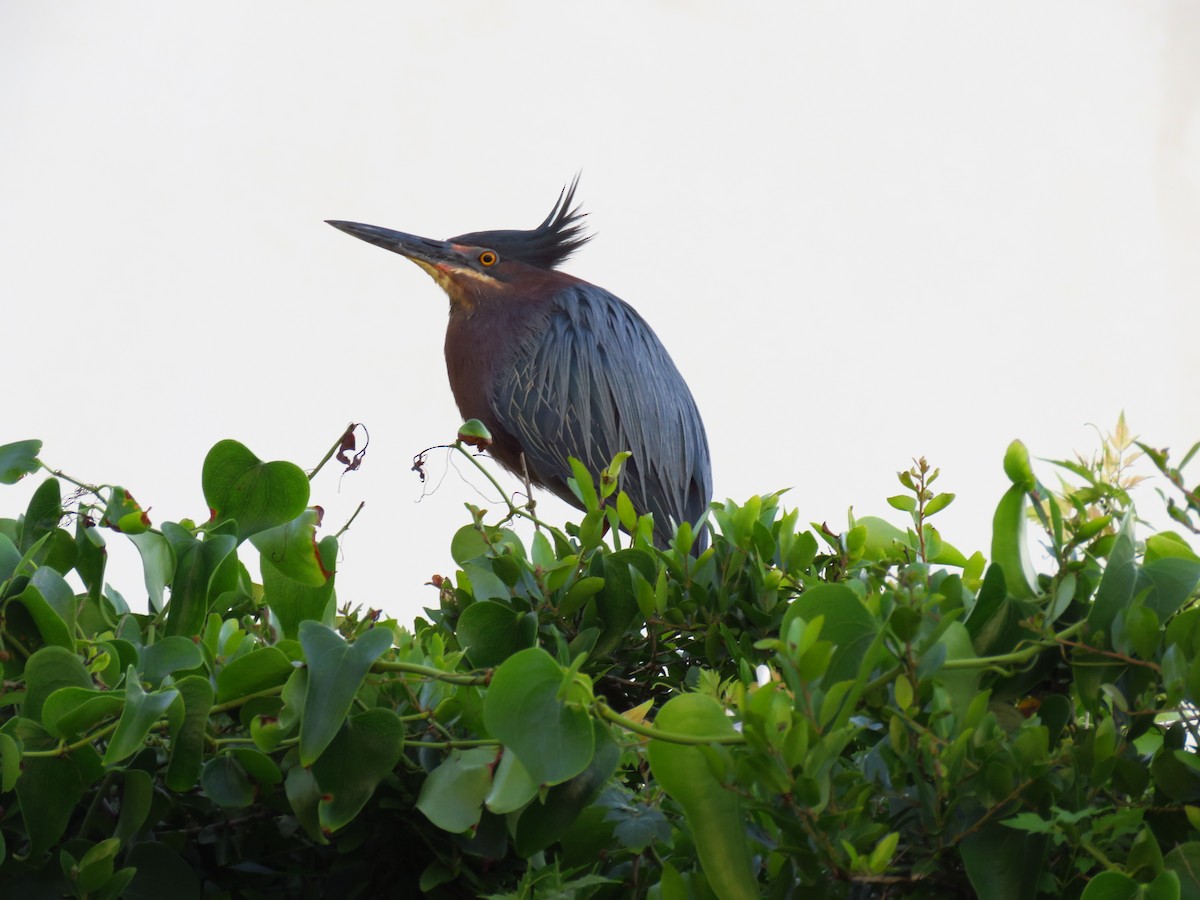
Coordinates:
<point>794,712</point>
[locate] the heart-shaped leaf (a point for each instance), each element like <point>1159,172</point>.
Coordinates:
<point>257,495</point>
<point>365,750</point>
<point>337,670</point>
<point>48,670</point>
<point>523,710</point>
<point>141,711</point>
<point>70,711</point>
<point>491,632</point>
<point>18,459</point>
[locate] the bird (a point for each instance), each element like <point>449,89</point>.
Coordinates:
<point>556,367</point>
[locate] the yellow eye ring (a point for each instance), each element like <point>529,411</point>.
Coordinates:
<point>488,258</point>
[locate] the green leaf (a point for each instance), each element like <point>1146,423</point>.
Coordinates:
<point>1002,863</point>
<point>42,514</point>
<point>491,632</point>
<point>482,582</point>
<point>1111,886</point>
<point>961,684</point>
<point>257,495</point>
<point>123,513</point>
<point>363,753</point>
<point>337,670</point>
<point>264,668</point>
<point>1184,861</point>
<point>51,603</point>
<point>187,733</point>
<point>94,868</point>
<point>10,558</point>
<point>292,548</point>
<point>881,856</point>
<point>1171,581</point>
<point>512,788</point>
<point>91,557</point>
<point>258,765</point>
<point>578,594</point>
<point>903,502</point>
<point>938,503</point>
<point>196,564</point>
<point>158,564</point>
<point>616,602</point>
<point>71,711</point>
<point>141,711</point>
<point>1117,583</point>
<point>226,783</point>
<point>304,797</point>
<point>293,602</point>
<point>48,791</point>
<point>1168,545</point>
<point>48,670</point>
<point>1010,548</point>
<point>167,655</point>
<point>848,624</point>
<point>583,486</point>
<point>453,793</point>
<point>18,459</point>
<point>10,765</point>
<point>523,710</point>
<point>1166,886</point>
<point>135,804</point>
<point>542,824</point>
<point>467,544</point>
<point>475,433</point>
<point>1017,466</point>
<point>881,539</point>
<point>713,811</point>
<point>610,476</point>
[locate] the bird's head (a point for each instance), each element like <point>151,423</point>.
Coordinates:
<point>485,265</point>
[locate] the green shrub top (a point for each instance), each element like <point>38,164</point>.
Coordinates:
<point>795,712</point>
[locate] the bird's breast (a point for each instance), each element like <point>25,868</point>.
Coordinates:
<point>483,348</point>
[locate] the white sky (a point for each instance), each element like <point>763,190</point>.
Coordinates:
<point>864,231</point>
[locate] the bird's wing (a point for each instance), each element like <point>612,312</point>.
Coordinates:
<point>597,381</point>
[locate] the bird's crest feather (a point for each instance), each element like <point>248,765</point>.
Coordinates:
<point>548,245</point>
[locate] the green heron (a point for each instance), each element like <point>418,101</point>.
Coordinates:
<point>556,367</point>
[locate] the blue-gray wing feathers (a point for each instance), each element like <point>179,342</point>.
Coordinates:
<point>593,382</point>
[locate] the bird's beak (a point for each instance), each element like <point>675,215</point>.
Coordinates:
<point>423,251</point>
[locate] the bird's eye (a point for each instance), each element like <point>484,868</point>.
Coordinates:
<point>488,258</point>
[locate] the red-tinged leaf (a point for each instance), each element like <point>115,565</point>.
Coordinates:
<point>475,434</point>
<point>124,514</point>
<point>293,602</point>
<point>292,548</point>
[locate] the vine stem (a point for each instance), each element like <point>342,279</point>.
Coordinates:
<point>430,672</point>
<point>337,445</point>
<point>603,711</point>
<point>1016,657</point>
<point>513,509</point>
<point>59,473</point>
<point>350,521</point>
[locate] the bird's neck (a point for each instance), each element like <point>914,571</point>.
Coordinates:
<point>480,341</point>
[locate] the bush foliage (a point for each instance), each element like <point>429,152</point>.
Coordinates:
<point>794,712</point>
